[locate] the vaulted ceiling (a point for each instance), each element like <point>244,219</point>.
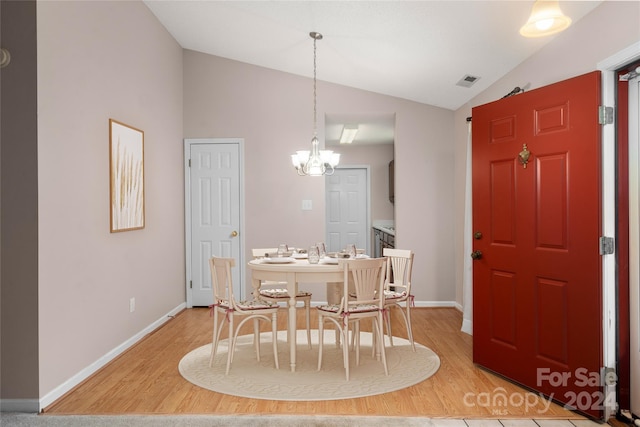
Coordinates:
<point>416,50</point>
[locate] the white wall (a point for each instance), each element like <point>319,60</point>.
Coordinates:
<point>99,60</point>
<point>273,112</point>
<point>608,29</point>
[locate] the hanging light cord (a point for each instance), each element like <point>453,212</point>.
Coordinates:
<point>315,114</point>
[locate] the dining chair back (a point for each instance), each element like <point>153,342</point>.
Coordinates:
<point>397,288</point>
<point>277,292</point>
<point>225,305</point>
<point>363,297</point>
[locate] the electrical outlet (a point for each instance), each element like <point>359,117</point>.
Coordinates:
<point>132,305</point>
<point>306,205</point>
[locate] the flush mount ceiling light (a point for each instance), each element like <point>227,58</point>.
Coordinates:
<point>348,134</point>
<point>315,162</point>
<point>546,18</point>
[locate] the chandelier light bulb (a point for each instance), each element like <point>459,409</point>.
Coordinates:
<point>544,24</point>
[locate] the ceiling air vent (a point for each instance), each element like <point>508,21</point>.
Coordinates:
<point>467,81</point>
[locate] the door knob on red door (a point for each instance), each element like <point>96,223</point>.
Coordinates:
<point>476,254</point>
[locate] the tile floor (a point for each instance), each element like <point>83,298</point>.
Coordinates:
<point>515,423</point>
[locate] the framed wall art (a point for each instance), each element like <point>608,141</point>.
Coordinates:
<point>126,177</point>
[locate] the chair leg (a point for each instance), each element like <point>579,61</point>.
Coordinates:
<point>374,341</point>
<point>345,348</point>
<point>286,310</point>
<point>388,323</point>
<point>215,338</point>
<point>406,316</point>
<point>307,307</point>
<point>274,331</point>
<point>409,328</point>
<point>380,331</point>
<point>320,339</point>
<point>356,339</point>
<point>232,344</point>
<point>256,337</point>
<point>352,341</point>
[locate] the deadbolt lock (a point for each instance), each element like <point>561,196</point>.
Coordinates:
<point>477,235</point>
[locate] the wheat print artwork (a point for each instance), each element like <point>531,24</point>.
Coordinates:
<point>127,177</point>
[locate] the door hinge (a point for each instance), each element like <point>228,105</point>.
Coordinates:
<point>606,245</point>
<point>189,162</point>
<point>190,284</point>
<point>605,115</point>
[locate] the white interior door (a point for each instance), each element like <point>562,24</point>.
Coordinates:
<point>634,240</point>
<point>213,213</point>
<point>347,204</point>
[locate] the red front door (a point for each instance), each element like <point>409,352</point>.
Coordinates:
<point>537,310</point>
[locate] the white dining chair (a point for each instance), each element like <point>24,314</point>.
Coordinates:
<point>397,288</point>
<point>365,279</point>
<point>277,292</point>
<point>224,304</point>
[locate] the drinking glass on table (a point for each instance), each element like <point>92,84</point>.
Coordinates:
<point>282,249</point>
<point>322,251</point>
<point>351,250</point>
<point>313,255</point>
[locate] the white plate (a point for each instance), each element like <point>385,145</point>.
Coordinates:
<point>283,260</point>
<point>331,260</point>
<point>300,256</point>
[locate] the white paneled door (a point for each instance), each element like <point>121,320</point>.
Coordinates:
<point>213,195</point>
<point>347,204</point>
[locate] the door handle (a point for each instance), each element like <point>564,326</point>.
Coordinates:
<point>476,254</point>
<point>234,233</point>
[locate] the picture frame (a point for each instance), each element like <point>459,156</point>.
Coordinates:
<point>126,177</point>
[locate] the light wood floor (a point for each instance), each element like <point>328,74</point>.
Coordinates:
<point>145,380</point>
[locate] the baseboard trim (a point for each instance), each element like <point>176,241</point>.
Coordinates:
<point>467,326</point>
<point>65,387</point>
<point>19,405</point>
<point>434,304</point>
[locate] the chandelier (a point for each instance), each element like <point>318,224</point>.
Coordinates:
<point>315,162</point>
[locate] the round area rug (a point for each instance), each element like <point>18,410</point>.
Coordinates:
<point>261,380</point>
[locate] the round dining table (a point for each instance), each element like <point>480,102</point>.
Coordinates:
<point>294,272</point>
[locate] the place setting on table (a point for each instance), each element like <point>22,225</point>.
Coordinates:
<point>316,254</point>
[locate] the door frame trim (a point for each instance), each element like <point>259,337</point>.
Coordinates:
<point>608,69</point>
<point>188,143</point>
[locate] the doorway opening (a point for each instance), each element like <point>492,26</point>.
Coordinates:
<point>372,148</point>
